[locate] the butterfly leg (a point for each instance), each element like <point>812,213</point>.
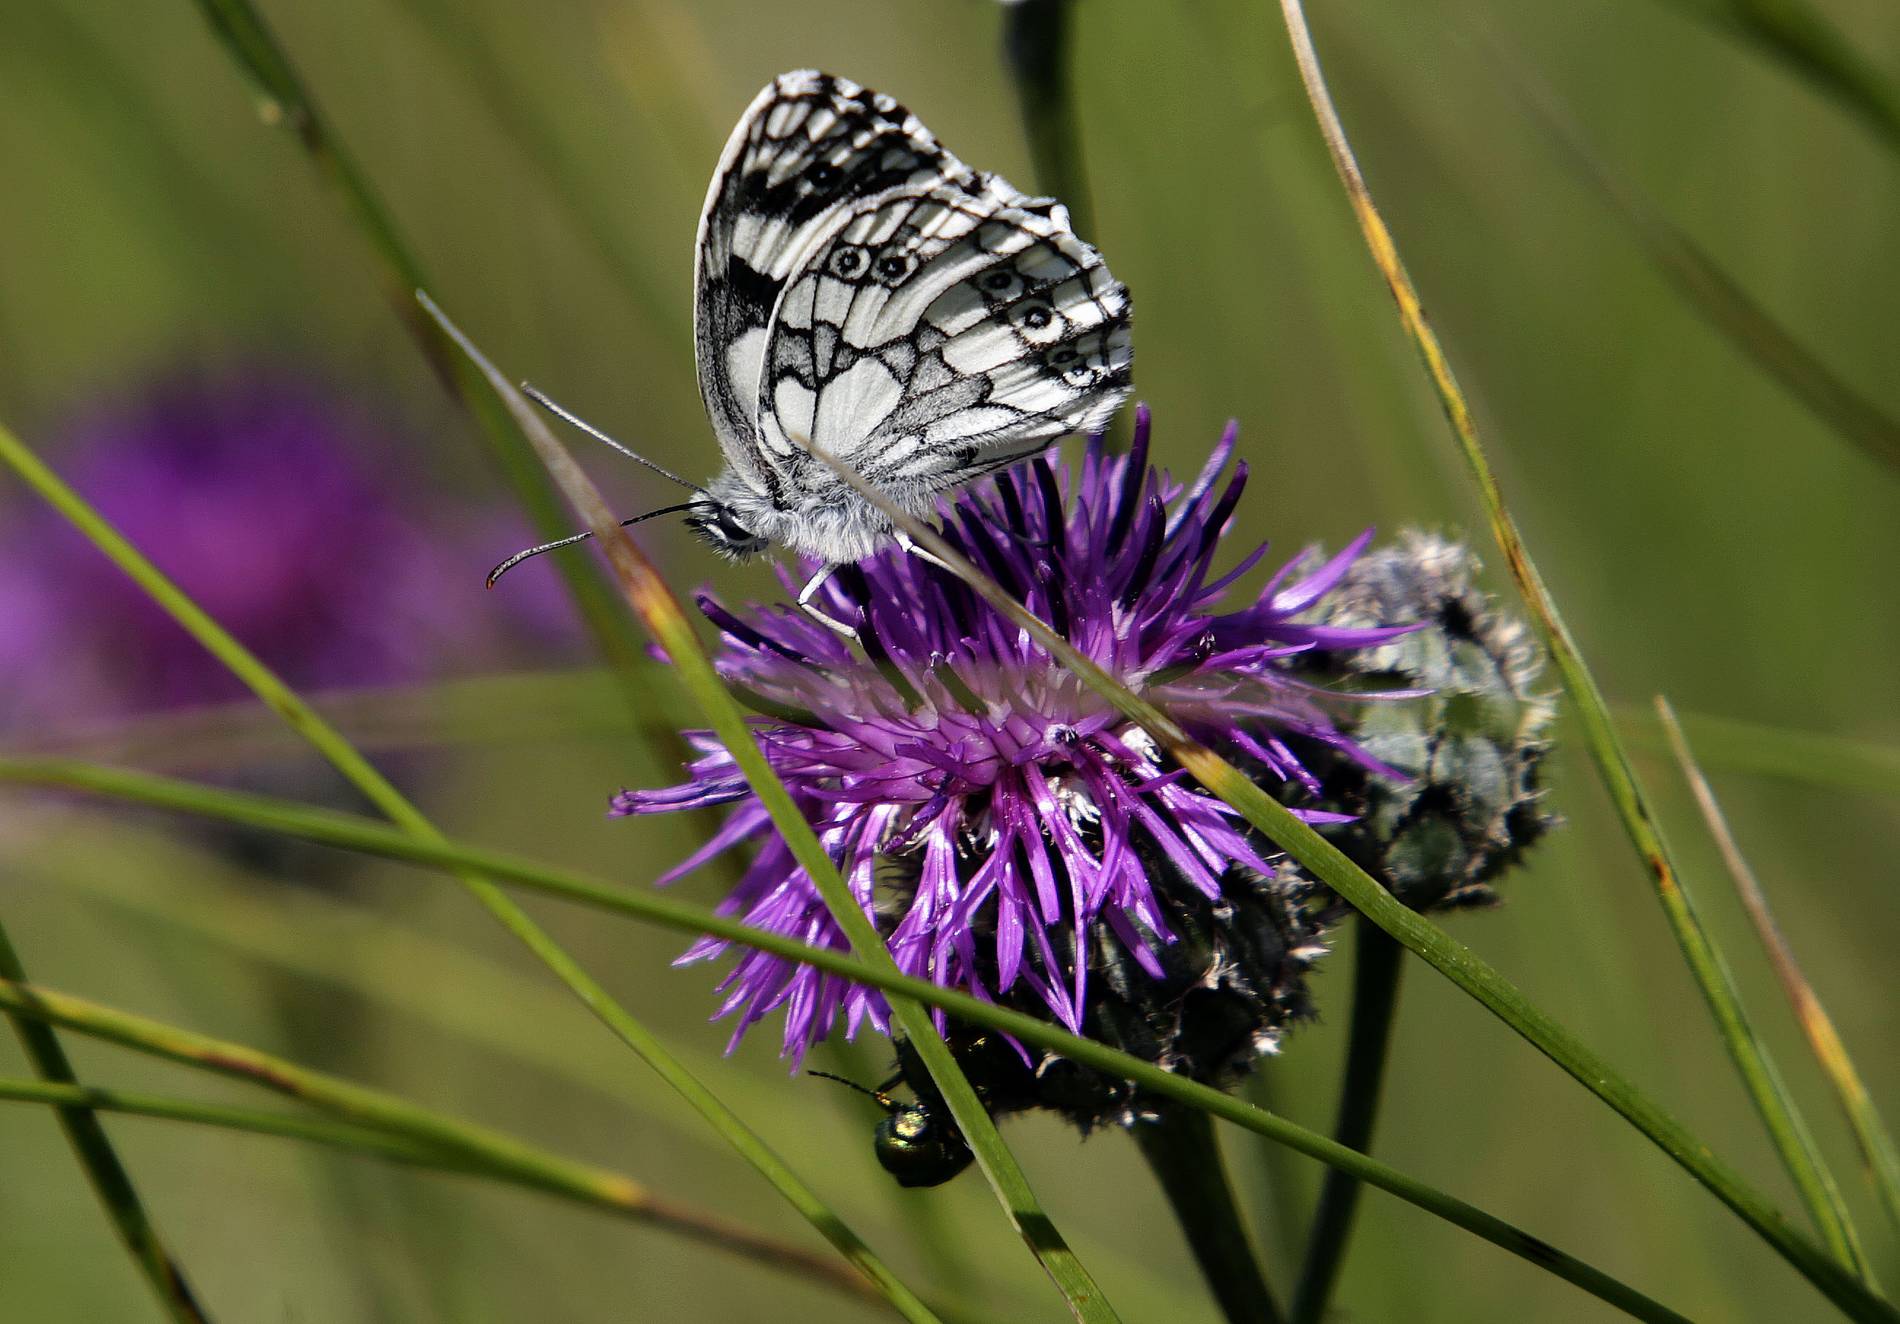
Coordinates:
<point>923,554</point>
<point>811,609</point>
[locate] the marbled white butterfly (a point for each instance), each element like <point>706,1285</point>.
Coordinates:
<point>859,290</point>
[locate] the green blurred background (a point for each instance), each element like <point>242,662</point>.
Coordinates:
<point>1706,535</point>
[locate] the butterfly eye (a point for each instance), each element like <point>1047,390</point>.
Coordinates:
<point>730,536</point>
<point>1000,282</point>
<point>847,263</point>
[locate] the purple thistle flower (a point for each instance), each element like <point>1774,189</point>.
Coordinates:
<point>992,814</point>
<point>282,508</point>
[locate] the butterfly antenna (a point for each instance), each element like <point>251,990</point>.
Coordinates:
<point>571,539</point>
<point>567,416</point>
<point>882,1098</point>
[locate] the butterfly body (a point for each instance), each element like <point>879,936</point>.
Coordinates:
<point>861,291</point>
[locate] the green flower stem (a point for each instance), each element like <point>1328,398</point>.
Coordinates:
<point>1444,953</point>
<point>657,607</point>
<point>326,740</point>
<point>286,101</point>
<point>1785,1127</point>
<point>351,832</point>
<point>1870,1131</point>
<point>1377,965</point>
<point>110,1181</point>
<point>1179,1145</point>
<point>473,1151</point>
<point>1036,52</point>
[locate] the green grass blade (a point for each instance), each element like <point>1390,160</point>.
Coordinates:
<point>1801,38</point>
<point>1036,51</point>
<point>1778,1112</point>
<point>287,102</point>
<point>1377,964</point>
<point>104,1171</point>
<point>473,1153</point>
<point>657,607</point>
<point>572,704</point>
<point>366,1140</point>
<point>1811,758</point>
<point>351,832</point>
<point>1708,288</point>
<point>580,703</point>
<point>1445,954</point>
<point>326,740</point>
<point>462,32</point>
<point>467,1001</point>
<point>937,1237</point>
<point>1870,1131</point>
<point>446,989</point>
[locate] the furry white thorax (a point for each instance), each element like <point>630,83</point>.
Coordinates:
<point>827,522</point>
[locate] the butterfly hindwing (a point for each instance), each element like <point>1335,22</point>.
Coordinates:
<point>942,332</point>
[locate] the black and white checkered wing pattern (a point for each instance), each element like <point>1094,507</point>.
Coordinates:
<point>807,152</point>
<point>941,332</point>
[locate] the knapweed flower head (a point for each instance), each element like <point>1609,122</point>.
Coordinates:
<point>274,500</point>
<point>1472,748</point>
<point>996,818</point>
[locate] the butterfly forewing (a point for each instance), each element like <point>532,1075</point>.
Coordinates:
<point>809,147</point>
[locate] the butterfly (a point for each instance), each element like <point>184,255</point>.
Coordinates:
<point>861,291</point>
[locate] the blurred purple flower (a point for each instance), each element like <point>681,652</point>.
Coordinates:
<point>994,816</point>
<point>282,508</point>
